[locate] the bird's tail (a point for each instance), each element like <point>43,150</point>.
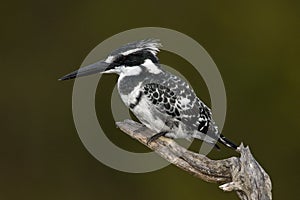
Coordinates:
<point>226,142</point>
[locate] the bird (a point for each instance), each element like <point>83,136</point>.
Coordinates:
<point>161,101</point>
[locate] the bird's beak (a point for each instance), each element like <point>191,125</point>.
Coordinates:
<point>97,67</point>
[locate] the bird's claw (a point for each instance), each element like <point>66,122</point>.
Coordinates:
<point>155,137</point>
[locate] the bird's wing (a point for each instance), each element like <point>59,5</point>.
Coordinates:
<point>173,97</point>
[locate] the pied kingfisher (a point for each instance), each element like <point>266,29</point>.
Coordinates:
<point>162,101</point>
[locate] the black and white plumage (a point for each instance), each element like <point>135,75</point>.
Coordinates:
<point>162,101</point>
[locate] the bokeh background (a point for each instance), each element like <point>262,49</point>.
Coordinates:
<point>254,44</point>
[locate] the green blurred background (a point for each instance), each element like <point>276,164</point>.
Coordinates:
<point>254,44</point>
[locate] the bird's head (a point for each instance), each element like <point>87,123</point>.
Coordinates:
<point>127,58</point>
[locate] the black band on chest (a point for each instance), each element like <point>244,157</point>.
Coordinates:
<point>138,99</point>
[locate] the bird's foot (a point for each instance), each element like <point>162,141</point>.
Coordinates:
<point>156,136</point>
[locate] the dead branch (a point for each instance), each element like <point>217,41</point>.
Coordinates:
<point>243,175</point>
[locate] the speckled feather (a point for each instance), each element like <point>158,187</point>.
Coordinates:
<point>184,105</point>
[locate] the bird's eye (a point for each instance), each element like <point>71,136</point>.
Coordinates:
<point>120,60</point>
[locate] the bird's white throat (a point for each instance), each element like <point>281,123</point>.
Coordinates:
<point>130,71</point>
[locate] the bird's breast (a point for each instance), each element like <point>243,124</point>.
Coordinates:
<point>148,115</point>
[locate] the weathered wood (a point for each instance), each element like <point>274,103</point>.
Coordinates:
<point>243,175</point>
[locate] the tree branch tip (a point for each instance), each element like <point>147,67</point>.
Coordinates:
<point>227,187</point>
